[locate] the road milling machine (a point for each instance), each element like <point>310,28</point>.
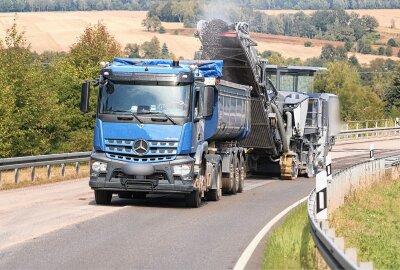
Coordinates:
<point>292,128</point>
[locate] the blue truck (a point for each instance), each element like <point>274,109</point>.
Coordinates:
<point>166,126</point>
<point>197,127</point>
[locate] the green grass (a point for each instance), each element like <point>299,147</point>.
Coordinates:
<point>370,222</point>
<point>290,245</point>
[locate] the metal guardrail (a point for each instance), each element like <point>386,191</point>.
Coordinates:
<point>33,162</point>
<point>355,125</point>
<point>332,248</point>
<point>367,133</point>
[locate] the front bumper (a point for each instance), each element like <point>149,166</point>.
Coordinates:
<point>142,177</point>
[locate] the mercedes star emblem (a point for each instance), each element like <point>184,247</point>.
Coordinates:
<point>141,147</point>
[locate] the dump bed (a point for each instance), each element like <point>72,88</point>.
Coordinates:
<point>242,65</point>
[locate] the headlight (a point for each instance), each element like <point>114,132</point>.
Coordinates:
<point>99,167</point>
<point>184,170</point>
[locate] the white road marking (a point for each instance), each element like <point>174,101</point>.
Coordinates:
<point>244,258</point>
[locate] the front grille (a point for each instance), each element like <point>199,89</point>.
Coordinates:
<point>159,151</point>
<point>156,176</point>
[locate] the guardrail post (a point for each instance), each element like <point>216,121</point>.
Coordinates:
<point>77,167</point>
<point>33,174</point>
<point>357,125</point>
<point>63,169</point>
<point>48,171</point>
<point>16,176</point>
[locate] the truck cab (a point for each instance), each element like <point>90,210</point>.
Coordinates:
<point>154,122</point>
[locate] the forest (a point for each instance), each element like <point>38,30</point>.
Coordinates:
<point>73,5</point>
<point>40,96</point>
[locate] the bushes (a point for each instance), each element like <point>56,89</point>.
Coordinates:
<point>307,44</point>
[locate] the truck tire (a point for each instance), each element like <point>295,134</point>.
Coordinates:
<point>193,199</point>
<point>102,197</point>
<point>125,195</point>
<point>215,194</point>
<point>228,179</point>
<point>139,195</point>
<point>242,174</point>
<point>236,177</point>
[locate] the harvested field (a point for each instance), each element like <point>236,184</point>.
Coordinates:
<point>57,31</point>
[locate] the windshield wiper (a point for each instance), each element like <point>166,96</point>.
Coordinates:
<point>161,113</point>
<point>131,113</point>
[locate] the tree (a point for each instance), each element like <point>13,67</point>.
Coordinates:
<point>151,49</point>
<point>370,22</point>
<point>29,113</point>
<point>348,46</point>
<point>392,93</point>
<point>330,53</point>
<point>161,30</point>
<point>132,50</point>
<point>95,45</point>
<point>381,51</point>
<point>307,44</point>
<point>164,51</point>
<point>274,58</point>
<point>389,51</point>
<point>354,61</point>
<point>356,101</point>
<point>151,22</point>
<point>393,43</point>
<point>363,46</point>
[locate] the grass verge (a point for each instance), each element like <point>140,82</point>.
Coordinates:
<point>290,246</point>
<point>370,221</point>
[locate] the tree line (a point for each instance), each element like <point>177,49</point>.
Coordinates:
<point>71,5</point>
<point>323,4</point>
<point>82,5</point>
<point>337,25</point>
<point>40,93</point>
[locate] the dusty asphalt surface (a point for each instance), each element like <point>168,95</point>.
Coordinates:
<point>59,227</point>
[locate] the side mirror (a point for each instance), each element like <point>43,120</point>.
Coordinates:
<point>208,106</point>
<point>85,95</point>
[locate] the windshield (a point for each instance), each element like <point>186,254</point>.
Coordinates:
<point>294,83</point>
<point>128,98</point>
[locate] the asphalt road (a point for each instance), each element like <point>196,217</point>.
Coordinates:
<point>158,233</point>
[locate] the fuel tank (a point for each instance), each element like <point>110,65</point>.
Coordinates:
<point>231,118</point>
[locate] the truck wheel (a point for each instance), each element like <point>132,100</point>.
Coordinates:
<point>102,197</point>
<point>228,179</point>
<point>242,175</point>
<point>215,194</point>
<point>139,195</point>
<point>193,199</point>
<point>236,177</point>
<point>125,195</point>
